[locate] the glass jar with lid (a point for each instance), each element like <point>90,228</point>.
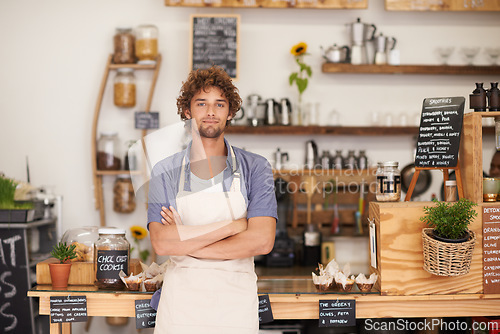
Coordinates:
<point>124,88</point>
<point>112,252</point>
<point>108,154</point>
<point>124,46</point>
<point>83,238</point>
<point>388,182</point>
<point>124,197</point>
<point>146,42</point>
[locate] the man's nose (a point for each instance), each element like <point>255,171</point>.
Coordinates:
<point>211,110</point>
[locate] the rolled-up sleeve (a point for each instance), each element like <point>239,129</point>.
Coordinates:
<point>161,193</point>
<point>261,194</point>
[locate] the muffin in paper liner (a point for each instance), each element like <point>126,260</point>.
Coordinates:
<point>366,284</point>
<point>132,282</point>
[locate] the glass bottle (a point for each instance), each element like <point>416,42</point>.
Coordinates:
<point>325,160</point>
<point>124,196</point>
<point>124,88</point>
<point>146,42</point>
<point>362,160</point>
<point>493,95</point>
<point>338,160</point>
<point>388,182</point>
<point>112,252</point>
<point>130,160</point>
<point>477,100</point>
<point>124,46</point>
<point>350,162</point>
<point>312,245</point>
<point>450,191</point>
<point>108,151</point>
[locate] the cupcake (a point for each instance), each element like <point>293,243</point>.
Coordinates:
<point>151,285</point>
<point>366,284</point>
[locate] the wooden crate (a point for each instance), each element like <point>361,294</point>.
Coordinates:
<point>82,273</point>
<point>400,255</point>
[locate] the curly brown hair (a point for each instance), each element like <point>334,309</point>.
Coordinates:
<point>200,79</point>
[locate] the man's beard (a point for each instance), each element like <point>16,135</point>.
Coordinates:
<point>210,132</point>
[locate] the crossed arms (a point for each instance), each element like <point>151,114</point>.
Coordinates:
<point>220,240</point>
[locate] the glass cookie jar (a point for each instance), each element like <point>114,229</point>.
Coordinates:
<point>124,197</point>
<point>108,151</point>
<point>124,46</point>
<point>146,42</point>
<point>111,255</point>
<point>124,88</point>
<point>388,182</point>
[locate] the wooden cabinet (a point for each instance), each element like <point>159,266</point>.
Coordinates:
<point>99,174</point>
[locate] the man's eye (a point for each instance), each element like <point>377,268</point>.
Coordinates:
<point>220,105</point>
<point>201,104</point>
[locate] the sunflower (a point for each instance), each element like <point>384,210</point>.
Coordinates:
<point>299,49</point>
<point>138,232</point>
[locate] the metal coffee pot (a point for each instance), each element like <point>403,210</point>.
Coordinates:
<point>279,159</point>
<point>312,158</point>
<point>359,34</point>
<point>336,54</point>
<point>285,111</point>
<point>383,45</point>
<point>253,100</point>
<point>272,111</point>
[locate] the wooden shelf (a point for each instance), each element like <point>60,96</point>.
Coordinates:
<point>117,172</point>
<point>442,5</point>
<point>323,130</point>
<point>410,69</point>
<point>324,4</point>
<point>133,66</point>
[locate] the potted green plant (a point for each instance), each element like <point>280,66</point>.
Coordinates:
<point>10,211</point>
<point>447,242</point>
<point>59,272</point>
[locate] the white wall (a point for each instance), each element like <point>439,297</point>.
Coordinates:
<point>53,54</point>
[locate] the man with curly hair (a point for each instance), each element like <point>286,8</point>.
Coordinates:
<point>212,208</point>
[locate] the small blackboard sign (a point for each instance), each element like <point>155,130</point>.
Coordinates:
<point>439,132</point>
<point>15,315</point>
<point>491,249</point>
<point>215,41</point>
<point>265,311</point>
<point>110,263</point>
<point>147,120</point>
<point>68,309</point>
<point>334,313</point>
<point>145,315</point>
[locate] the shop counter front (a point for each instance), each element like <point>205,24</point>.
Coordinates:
<point>290,299</point>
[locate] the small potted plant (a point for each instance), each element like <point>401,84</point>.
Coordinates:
<point>59,272</point>
<point>447,242</point>
<point>10,210</point>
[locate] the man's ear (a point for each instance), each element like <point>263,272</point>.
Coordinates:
<point>188,113</point>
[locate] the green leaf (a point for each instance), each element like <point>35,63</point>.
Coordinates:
<point>292,77</point>
<point>301,84</point>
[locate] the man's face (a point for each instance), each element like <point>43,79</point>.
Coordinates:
<point>210,111</point>
<point>495,165</point>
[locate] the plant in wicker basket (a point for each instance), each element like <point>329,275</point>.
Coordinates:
<point>448,243</point>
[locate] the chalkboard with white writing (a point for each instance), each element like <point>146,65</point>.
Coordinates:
<point>265,311</point>
<point>68,309</point>
<point>15,315</point>
<point>491,249</point>
<point>215,41</point>
<point>439,133</point>
<point>145,315</point>
<point>334,313</point>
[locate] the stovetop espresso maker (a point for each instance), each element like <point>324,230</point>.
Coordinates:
<point>360,33</point>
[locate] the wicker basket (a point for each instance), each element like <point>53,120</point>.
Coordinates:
<point>445,258</point>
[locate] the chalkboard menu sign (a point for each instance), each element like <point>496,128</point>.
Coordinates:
<point>147,120</point>
<point>215,41</point>
<point>334,313</point>
<point>15,315</point>
<point>68,309</point>
<point>265,311</point>
<point>439,132</point>
<point>145,315</point>
<point>491,249</point>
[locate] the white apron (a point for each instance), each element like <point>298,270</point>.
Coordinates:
<point>209,296</point>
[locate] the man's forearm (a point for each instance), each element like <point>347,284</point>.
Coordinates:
<point>258,239</point>
<point>166,239</point>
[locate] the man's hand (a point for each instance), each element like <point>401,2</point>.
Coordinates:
<point>170,216</point>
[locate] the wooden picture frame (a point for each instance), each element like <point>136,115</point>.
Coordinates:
<point>214,39</point>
